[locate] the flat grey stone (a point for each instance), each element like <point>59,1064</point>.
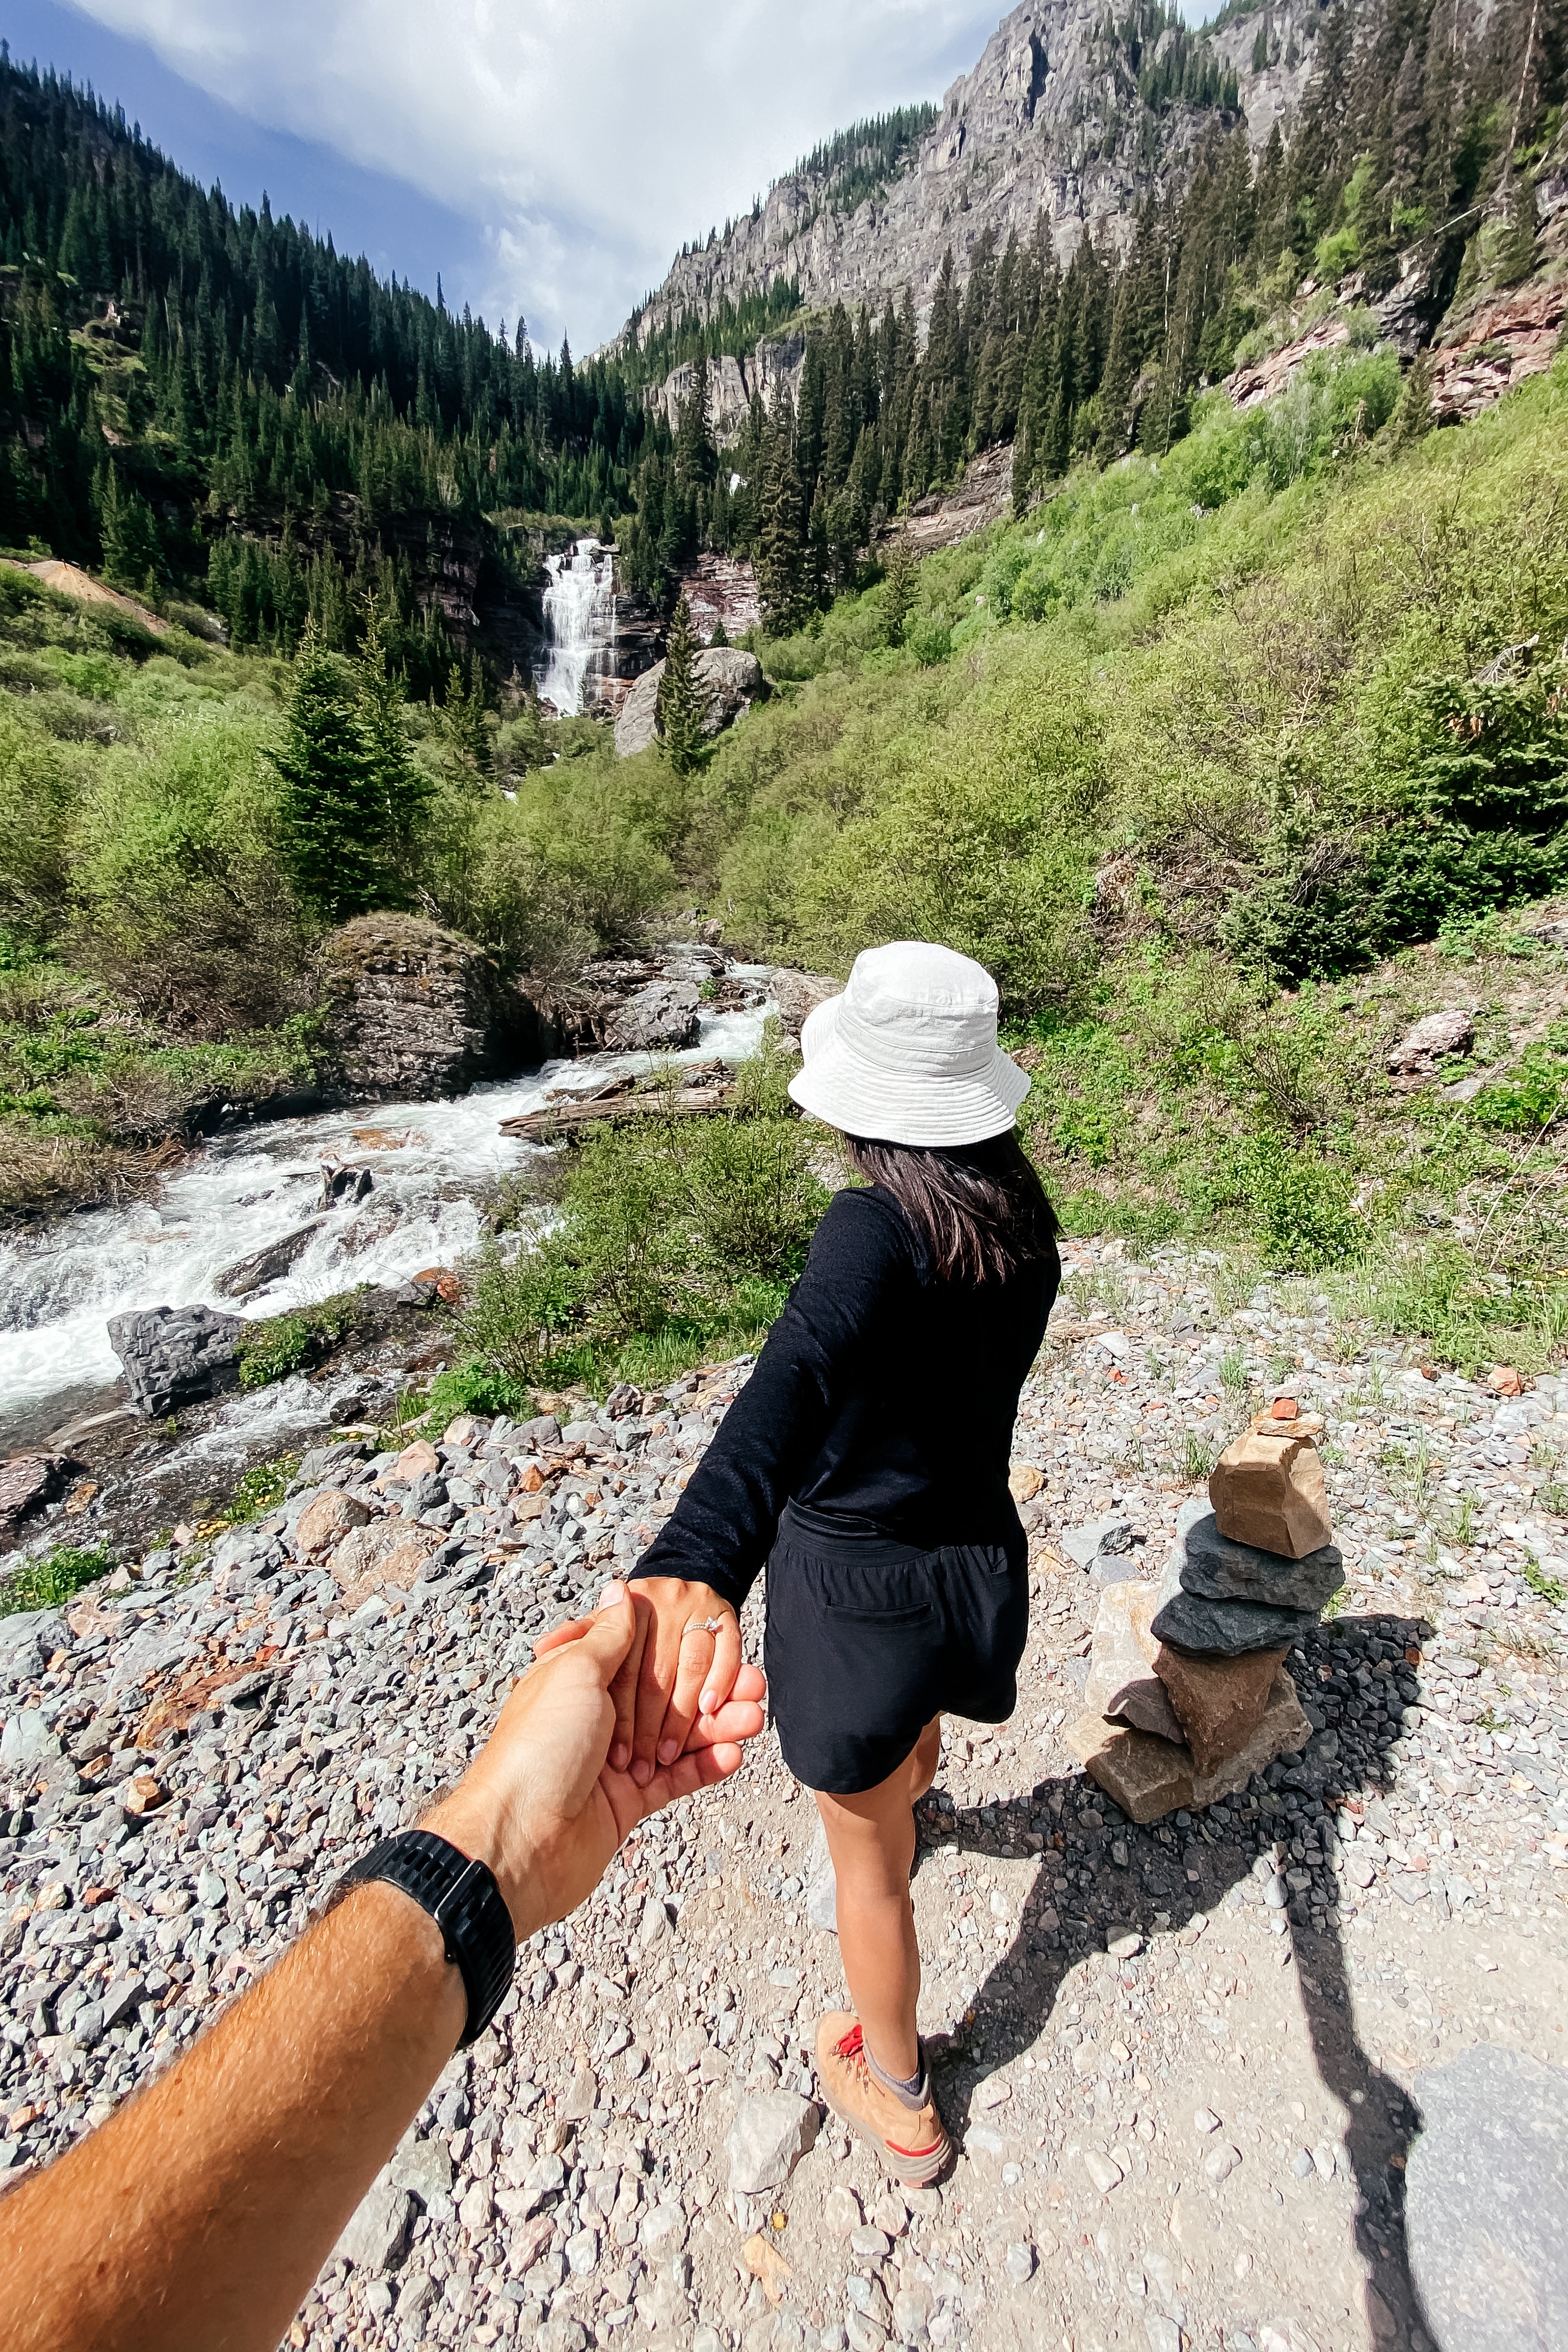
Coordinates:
<point>1217,1569</point>
<point>1486,2191</point>
<point>378,2233</point>
<point>1226,1628</point>
<point>1085,1544</point>
<point>770,2134</point>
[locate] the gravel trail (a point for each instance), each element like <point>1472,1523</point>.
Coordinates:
<point>1185,2062</point>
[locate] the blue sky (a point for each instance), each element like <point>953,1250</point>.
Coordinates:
<point>547,156</point>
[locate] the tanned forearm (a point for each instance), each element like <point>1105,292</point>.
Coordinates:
<point>197,2218</point>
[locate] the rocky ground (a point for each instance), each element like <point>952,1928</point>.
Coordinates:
<point>1187,2065</point>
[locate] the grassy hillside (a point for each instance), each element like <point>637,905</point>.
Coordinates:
<point>1229,767</point>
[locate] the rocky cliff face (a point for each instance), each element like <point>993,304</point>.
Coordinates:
<point>1051,117</point>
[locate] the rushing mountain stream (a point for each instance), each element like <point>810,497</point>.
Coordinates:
<point>244,1190</point>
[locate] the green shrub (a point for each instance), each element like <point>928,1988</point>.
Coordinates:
<point>47,1583</point>
<point>278,1345</point>
<point>470,1387</point>
<point>262,1488</point>
<point>929,639</point>
<point>1530,1097</point>
<point>1300,1207</point>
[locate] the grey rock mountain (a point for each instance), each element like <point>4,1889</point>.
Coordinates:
<point>1050,117</point>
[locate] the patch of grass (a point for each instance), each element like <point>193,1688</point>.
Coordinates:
<point>1545,1588</point>
<point>260,1490</point>
<point>278,1345</point>
<point>675,1241</point>
<point>48,1584</point>
<point>1234,1374</point>
<point>1193,1458</point>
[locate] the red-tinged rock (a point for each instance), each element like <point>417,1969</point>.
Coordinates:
<point>1149,1778</point>
<point>142,1795</point>
<point>1269,1491</point>
<point>1219,1702</point>
<point>419,1460</point>
<point>325,1521</point>
<point>1504,1381</point>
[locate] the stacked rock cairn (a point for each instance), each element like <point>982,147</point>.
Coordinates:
<point>1187,1695</point>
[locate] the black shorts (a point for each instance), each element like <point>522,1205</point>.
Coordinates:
<point>868,1639</point>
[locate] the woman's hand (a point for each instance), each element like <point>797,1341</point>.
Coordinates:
<point>684,1664</point>
<point>543,1804</point>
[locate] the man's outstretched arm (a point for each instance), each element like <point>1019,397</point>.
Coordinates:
<point>196,2218</point>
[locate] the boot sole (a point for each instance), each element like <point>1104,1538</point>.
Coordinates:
<point>911,2171</point>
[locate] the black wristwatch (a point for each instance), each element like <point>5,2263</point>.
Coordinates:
<point>466,1904</point>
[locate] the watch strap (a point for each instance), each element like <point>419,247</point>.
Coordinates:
<point>462,1897</point>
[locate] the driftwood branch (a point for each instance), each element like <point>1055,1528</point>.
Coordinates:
<point>705,1088</point>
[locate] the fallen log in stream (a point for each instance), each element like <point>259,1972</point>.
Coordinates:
<point>704,1087</point>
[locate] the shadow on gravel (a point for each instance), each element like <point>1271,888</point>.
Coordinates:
<point>1151,1892</point>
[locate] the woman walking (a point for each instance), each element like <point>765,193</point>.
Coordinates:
<point>865,1462</point>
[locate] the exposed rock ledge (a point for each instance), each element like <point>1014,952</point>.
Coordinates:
<point>727,680</point>
<point>418,1012</point>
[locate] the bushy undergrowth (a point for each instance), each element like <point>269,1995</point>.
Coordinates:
<point>277,1345</point>
<point>49,1582</point>
<point>673,1238</point>
<point>1198,1103</point>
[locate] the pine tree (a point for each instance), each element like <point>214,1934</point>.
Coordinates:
<point>781,531</point>
<point>463,718</point>
<point>899,568</point>
<point>402,792</point>
<point>679,712</point>
<point>333,813</point>
<point>132,554</point>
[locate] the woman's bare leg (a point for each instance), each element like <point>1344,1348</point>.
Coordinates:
<point>871,1838</point>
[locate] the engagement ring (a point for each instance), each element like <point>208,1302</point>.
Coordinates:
<point>704,1625</point>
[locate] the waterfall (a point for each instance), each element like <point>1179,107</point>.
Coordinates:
<point>579,624</point>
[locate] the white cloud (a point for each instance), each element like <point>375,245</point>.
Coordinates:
<point>589,137</point>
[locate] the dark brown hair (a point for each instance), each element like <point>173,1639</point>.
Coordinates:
<point>980,1208</point>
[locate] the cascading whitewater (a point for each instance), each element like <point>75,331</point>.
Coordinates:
<point>579,624</point>
<point>241,1191</point>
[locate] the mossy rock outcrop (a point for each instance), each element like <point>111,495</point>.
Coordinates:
<point>418,1012</point>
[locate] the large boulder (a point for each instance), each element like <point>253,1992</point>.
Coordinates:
<point>418,1012</point>
<point>797,995</point>
<point>727,681</point>
<point>175,1355</point>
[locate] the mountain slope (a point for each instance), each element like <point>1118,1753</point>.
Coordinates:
<point>1070,111</point>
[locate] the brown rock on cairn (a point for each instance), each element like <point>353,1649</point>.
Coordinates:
<point>1219,1702</point>
<point>1268,1490</point>
<point>1149,1778</point>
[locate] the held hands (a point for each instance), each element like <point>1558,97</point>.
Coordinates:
<point>543,1803</point>
<point>683,1667</point>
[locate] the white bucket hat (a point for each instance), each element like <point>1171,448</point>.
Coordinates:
<point>909,1053</point>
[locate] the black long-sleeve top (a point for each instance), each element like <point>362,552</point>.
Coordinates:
<point>884,1400</point>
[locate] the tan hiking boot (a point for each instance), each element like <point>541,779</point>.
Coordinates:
<point>911,2141</point>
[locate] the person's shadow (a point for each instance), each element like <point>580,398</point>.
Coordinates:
<point>1150,1894</point>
